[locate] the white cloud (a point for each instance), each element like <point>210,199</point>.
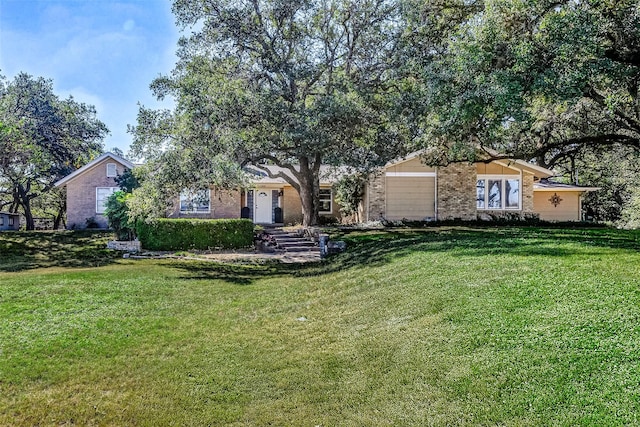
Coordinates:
<point>129,25</point>
<point>80,94</point>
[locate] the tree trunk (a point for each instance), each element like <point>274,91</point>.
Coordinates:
<point>309,191</point>
<point>24,201</point>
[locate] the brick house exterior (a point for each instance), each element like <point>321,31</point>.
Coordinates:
<point>408,189</point>
<point>403,189</point>
<point>88,187</point>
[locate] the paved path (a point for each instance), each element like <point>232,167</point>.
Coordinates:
<point>288,258</point>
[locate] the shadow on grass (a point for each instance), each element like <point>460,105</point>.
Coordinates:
<point>28,250</point>
<point>376,248</point>
<point>234,273</point>
<point>74,249</point>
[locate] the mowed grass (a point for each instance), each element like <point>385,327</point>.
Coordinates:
<point>514,326</point>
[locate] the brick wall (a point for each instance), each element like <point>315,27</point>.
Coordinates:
<point>81,194</point>
<point>376,199</point>
<point>457,191</point>
<point>527,193</point>
<point>224,204</point>
<point>291,206</point>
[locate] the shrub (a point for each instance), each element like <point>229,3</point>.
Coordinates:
<point>117,214</point>
<point>184,234</point>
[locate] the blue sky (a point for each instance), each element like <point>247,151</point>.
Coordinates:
<point>103,52</point>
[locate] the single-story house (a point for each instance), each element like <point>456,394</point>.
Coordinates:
<point>89,187</point>
<point>9,221</point>
<point>409,189</point>
<point>403,189</point>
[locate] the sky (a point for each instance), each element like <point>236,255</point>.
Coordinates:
<point>102,52</point>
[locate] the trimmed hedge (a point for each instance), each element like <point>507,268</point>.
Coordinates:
<point>182,234</point>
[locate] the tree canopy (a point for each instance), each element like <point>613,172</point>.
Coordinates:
<point>536,79</point>
<point>42,139</point>
<point>294,83</point>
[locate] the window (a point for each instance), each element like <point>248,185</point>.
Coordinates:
<point>498,193</point>
<point>1,220</point>
<point>512,194</point>
<point>111,170</point>
<point>10,220</point>
<point>102,194</point>
<point>480,194</point>
<point>195,201</point>
<point>325,200</point>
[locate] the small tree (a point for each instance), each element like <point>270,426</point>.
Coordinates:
<point>349,191</point>
<point>117,213</point>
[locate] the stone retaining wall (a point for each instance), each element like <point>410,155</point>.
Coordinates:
<point>124,245</point>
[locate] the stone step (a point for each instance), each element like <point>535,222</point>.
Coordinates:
<point>302,249</point>
<point>288,238</point>
<point>307,245</point>
<point>293,243</point>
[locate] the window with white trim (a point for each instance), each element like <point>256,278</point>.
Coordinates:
<point>195,201</point>
<point>324,200</point>
<point>111,170</point>
<point>497,193</point>
<point>102,194</point>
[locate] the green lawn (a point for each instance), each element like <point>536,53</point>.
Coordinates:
<point>514,326</point>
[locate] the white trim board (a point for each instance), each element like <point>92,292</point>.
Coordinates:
<point>411,174</point>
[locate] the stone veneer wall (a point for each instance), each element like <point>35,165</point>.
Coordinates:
<point>457,191</point>
<point>376,201</point>
<point>527,193</point>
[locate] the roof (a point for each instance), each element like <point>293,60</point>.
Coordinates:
<point>328,174</point>
<point>545,185</point>
<point>9,213</point>
<point>536,170</point>
<point>91,164</point>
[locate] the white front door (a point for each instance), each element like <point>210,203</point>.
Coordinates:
<point>263,208</point>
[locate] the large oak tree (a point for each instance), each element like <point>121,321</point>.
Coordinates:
<point>42,139</point>
<point>296,84</point>
<point>534,79</point>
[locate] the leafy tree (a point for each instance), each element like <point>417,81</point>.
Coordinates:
<point>349,191</point>
<point>293,83</point>
<point>117,213</point>
<point>128,181</point>
<point>42,139</point>
<point>536,79</point>
<point>616,171</point>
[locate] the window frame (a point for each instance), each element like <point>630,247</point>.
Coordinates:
<point>104,205</point>
<point>183,196</point>
<point>330,200</point>
<point>11,221</point>
<point>115,170</point>
<point>2,220</point>
<point>503,187</point>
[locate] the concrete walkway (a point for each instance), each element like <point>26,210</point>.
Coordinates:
<point>240,257</point>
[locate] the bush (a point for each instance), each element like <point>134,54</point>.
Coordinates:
<point>117,214</point>
<point>184,234</point>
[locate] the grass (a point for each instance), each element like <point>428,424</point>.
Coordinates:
<point>513,326</point>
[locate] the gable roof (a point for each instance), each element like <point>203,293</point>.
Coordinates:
<point>91,164</point>
<point>328,174</point>
<point>536,170</point>
<point>545,185</point>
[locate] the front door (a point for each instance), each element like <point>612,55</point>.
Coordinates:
<point>263,207</point>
